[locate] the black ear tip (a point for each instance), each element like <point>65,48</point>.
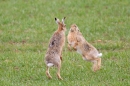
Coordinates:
<point>55,19</point>
<point>64,17</point>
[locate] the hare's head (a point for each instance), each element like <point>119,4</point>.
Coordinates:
<point>74,28</point>
<point>61,25</point>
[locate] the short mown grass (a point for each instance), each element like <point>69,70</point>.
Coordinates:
<point>27,25</point>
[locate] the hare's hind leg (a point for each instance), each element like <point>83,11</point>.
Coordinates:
<point>47,70</point>
<point>99,63</point>
<point>47,73</point>
<point>96,64</point>
<point>58,71</point>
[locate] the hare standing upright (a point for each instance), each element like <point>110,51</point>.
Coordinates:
<point>53,55</point>
<point>88,52</point>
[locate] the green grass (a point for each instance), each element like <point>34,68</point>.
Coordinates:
<point>27,25</point>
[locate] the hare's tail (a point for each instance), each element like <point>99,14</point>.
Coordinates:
<point>100,54</point>
<point>50,64</point>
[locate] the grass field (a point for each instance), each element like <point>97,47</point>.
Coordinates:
<point>27,25</point>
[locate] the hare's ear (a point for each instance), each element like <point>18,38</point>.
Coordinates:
<point>57,20</point>
<point>63,20</point>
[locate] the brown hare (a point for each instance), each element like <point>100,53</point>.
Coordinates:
<point>88,52</point>
<point>53,55</point>
<point>72,36</point>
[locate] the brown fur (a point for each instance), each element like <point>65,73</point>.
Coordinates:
<point>54,51</point>
<point>72,36</point>
<point>88,52</point>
